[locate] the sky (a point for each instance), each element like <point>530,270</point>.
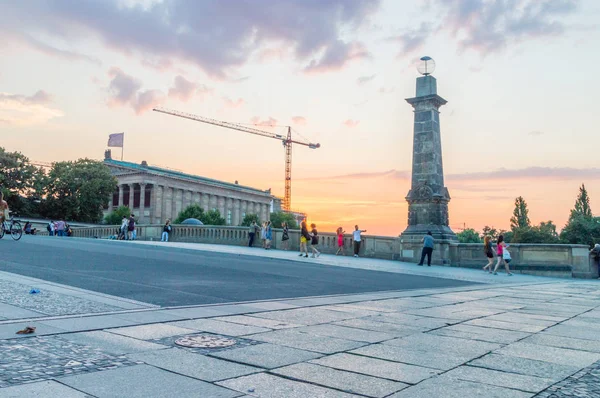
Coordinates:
<point>521,118</point>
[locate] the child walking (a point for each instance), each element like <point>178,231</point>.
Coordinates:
<point>487,249</point>
<point>304,237</point>
<point>314,241</point>
<point>503,256</point>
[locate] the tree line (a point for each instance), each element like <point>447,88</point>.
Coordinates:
<point>581,228</point>
<point>70,190</point>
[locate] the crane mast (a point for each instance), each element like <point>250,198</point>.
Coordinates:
<point>286,141</point>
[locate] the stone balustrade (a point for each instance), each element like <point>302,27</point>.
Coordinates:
<point>534,259</point>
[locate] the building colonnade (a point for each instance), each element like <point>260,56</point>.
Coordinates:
<point>155,203</point>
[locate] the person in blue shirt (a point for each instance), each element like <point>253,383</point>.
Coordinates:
<point>427,249</point>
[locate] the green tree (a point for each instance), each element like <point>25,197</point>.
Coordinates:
<point>192,211</point>
<point>468,235</point>
<point>249,218</point>
<point>582,204</point>
<point>78,191</point>
<point>213,217</point>
<point>520,218</point>
<point>116,216</point>
<point>278,218</point>
<point>581,230</point>
<point>543,233</point>
<point>490,231</point>
<point>20,182</point>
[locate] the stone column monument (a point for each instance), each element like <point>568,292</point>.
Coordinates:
<point>428,197</point>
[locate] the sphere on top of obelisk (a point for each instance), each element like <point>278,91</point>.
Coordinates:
<point>426,66</point>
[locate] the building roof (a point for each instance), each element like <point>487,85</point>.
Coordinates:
<point>181,175</point>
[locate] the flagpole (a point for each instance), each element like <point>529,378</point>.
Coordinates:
<point>122,145</point>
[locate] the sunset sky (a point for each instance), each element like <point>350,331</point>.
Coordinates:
<point>519,77</point>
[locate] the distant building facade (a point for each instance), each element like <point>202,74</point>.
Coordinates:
<point>155,194</point>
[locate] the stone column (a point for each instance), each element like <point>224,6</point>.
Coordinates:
<point>257,211</point>
<point>212,202</point>
<point>177,202</point>
<point>196,198</point>
<point>157,200</point>
<point>121,190</point>
<point>142,217</point>
<point>131,191</point>
<point>264,211</point>
<point>236,212</point>
<point>168,203</point>
<point>205,198</point>
<point>187,198</point>
<point>221,206</point>
<point>243,210</point>
<point>228,210</point>
<point>428,197</point>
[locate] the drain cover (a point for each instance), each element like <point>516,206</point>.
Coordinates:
<point>205,342</point>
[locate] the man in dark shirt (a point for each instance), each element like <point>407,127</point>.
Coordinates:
<point>427,249</point>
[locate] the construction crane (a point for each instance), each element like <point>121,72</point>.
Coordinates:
<point>286,141</point>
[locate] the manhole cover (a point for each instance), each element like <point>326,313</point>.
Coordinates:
<point>205,342</point>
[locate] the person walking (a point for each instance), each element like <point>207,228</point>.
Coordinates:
<point>285,236</point>
<point>489,252</point>
<point>304,238</point>
<point>357,239</point>
<point>131,227</point>
<point>123,233</point>
<point>166,231</point>
<point>503,255</point>
<point>427,249</point>
<point>340,241</point>
<point>268,235</point>
<point>252,233</point>
<point>314,241</point>
<point>263,235</point>
<point>50,228</point>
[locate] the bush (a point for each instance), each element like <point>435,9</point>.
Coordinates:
<point>116,216</point>
<point>248,219</point>
<point>192,211</point>
<point>278,218</point>
<point>581,230</point>
<point>468,235</point>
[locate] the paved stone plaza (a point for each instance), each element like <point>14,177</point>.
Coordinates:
<point>512,337</point>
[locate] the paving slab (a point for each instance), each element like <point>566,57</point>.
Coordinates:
<point>255,321</point>
<point>574,332</point>
<point>562,356</point>
<point>112,343</point>
<point>266,355</point>
<point>151,332</point>
<point>273,305</point>
<point>88,323</point>
<point>47,388</point>
<point>219,327</point>
<point>513,326</point>
<point>563,342</point>
<point>524,366</point>
<point>393,329</point>
<point>304,341</point>
<point>377,367</point>
<point>444,344</point>
<point>452,388</point>
<point>471,332</point>
<point>305,316</point>
<point>150,316</point>
<point>13,312</point>
<point>194,365</point>
<point>526,319</point>
<point>414,356</point>
<point>347,333</point>
<point>501,379</point>
<point>341,380</point>
<point>144,381</point>
<point>270,386</point>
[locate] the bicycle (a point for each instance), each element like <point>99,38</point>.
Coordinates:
<point>13,226</point>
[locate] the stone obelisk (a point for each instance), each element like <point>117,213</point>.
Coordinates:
<point>428,197</point>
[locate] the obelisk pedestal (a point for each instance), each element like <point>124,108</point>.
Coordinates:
<point>428,197</point>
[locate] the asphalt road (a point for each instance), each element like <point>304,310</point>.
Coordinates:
<point>172,277</point>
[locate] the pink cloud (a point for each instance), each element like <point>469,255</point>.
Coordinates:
<point>147,100</point>
<point>351,123</point>
<point>270,122</point>
<point>337,56</point>
<point>125,90</point>
<point>299,120</point>
<point>184,89</point>
<point>234,103</point>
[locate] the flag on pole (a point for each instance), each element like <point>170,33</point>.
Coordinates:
<point>116,140</point>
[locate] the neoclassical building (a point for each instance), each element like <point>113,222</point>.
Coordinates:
<point>155,194</point>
